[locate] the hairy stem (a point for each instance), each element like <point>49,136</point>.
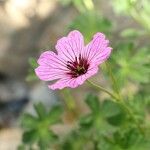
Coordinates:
<point>69,101</point>
<point>88,4</point>
<point>113,80</point>
<point>120,102</point>
<point>103,89</point>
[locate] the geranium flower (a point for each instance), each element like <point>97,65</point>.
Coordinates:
<point>74,63</point>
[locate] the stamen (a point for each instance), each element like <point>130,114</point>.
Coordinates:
<point>78,67</point>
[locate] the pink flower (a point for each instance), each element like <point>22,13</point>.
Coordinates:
<point>74,62</point>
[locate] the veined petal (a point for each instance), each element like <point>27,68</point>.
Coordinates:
<point>74,63</point>
<point>102,56</point>
<point>73,82</point>
<point>47,75</point>
<point>64,82</point>
<point>50,59</point>
<point>96,46</point>
<point>91,71</point>
<point>71,46</point>
<point>51,67</point>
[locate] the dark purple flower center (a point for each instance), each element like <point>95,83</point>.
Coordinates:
<point>78,67</point>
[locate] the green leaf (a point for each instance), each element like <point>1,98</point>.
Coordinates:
<point>132,33</point>
<point>31,76</point>
<point>123,7</point>
<point>93,103</point>
<point>54,114</point>
<point>31,73</point>
<point>143,144</point>
<point>130,64</point>
<point>127,138</point>
<point>86,121</point>
<point>30,137</point>
<point>29,121</point>
<point>113,113</point>
<point>40,110</point>
<point>38,128</point>
<point>33,62</point>
<point>79,5</point>
<point>75,141</point>
<point>46,138</point>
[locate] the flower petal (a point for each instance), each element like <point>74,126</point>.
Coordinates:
<point>97,48</point>
<point>73,82</point>
<point>55,67</point>
<point>51,67</point>
<point>71,46</point>
<point>91,71</point>
<point>64,82</point>
<point>50,59</point>
<point>47,74</point>
<point>101,57</point>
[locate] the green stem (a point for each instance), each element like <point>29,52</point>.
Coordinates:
<point>69,101</point>
<point>136,15</point>
<point>119,101</point>
<point>88,4</point>
<point>103,89</point>
<point>116,89</point>
<point>113,80</point>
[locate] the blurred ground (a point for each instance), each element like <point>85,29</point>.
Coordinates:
<point>27,27</point>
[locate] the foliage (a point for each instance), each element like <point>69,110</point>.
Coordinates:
<point>138,9</point>
<point>37,128</point>
<point>131,63</point>
<point>89,23</point>
<point>31,74</point>
<point>108,125</point>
